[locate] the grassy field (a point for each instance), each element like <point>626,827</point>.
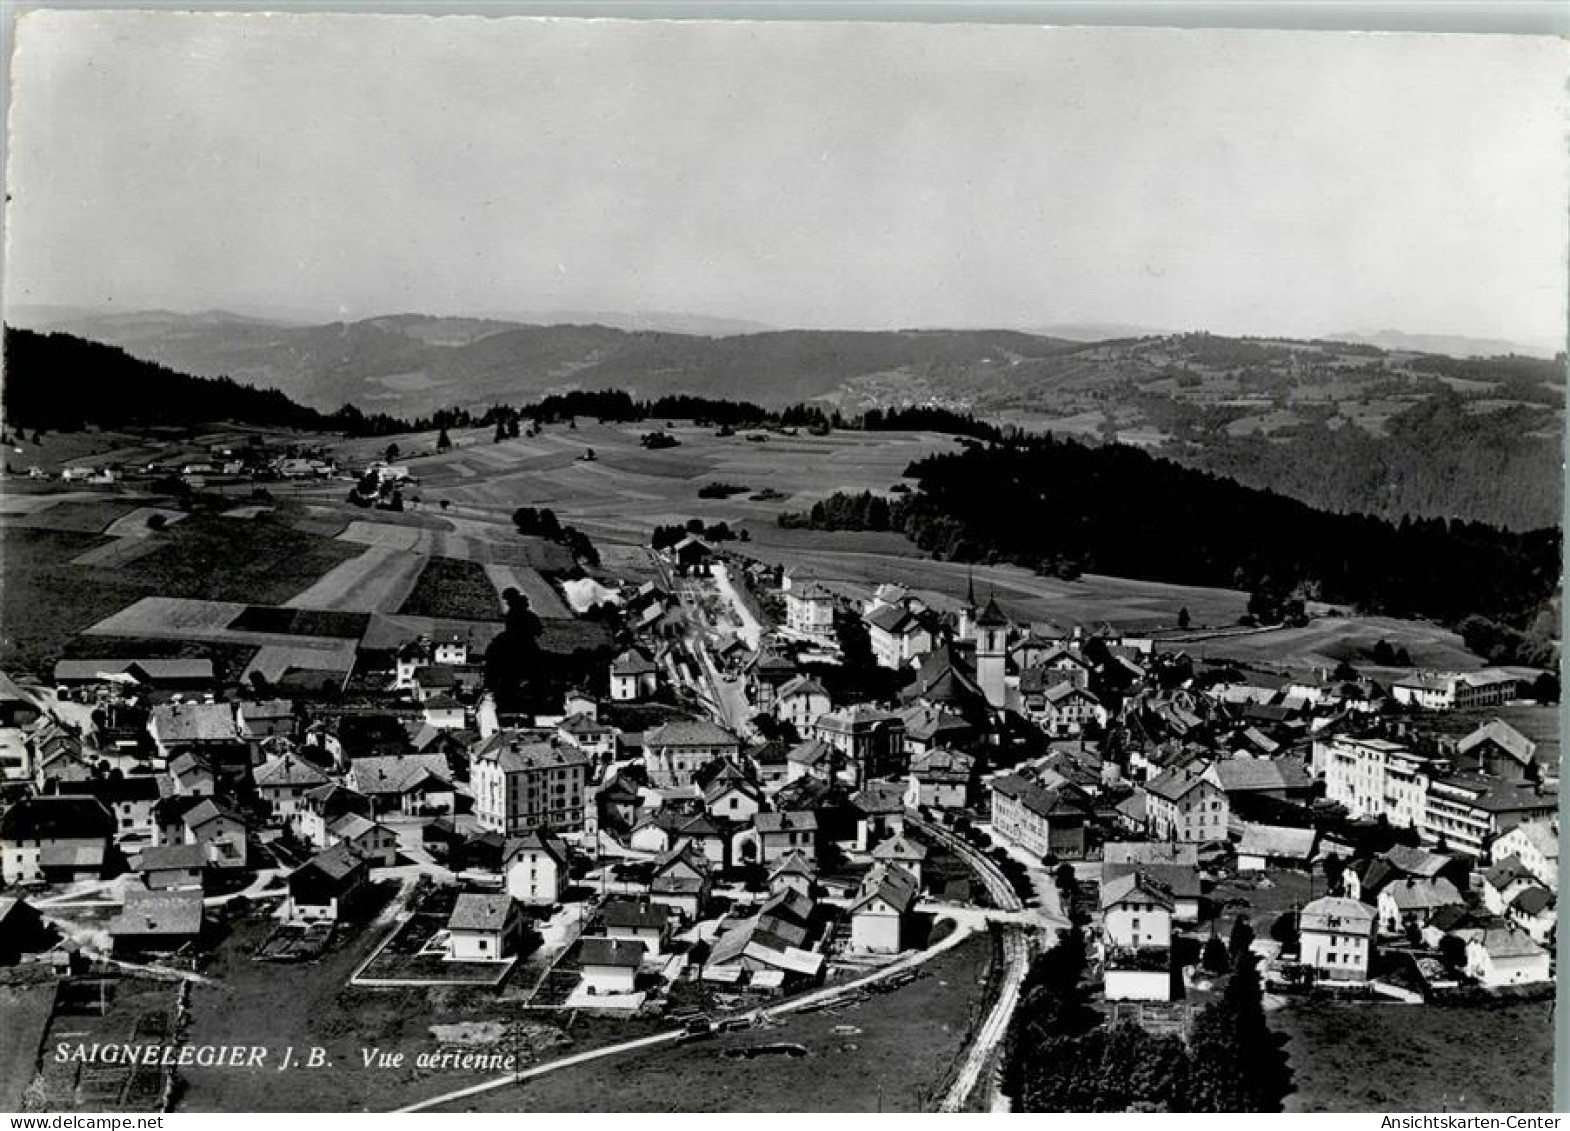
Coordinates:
<point>1326,641</point>
<point>1373,1057</point>
<point>451,587</point>
<point>887,1054</point>
<point>374,580</point>
<point>45,600</point>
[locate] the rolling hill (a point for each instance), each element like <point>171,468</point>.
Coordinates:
<point>1343,425</point>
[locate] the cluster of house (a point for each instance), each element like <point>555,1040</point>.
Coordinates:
<point>194,464</point>
<point>1067,743</point>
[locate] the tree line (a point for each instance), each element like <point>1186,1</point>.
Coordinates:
<point>61,383</point>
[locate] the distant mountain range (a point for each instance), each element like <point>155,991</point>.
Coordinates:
<point>1369,422</point>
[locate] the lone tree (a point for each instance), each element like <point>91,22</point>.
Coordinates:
<point>391,453</point>
<point>443,441</point>
<point>1240,940</point>
<point>1184,620</point>
<point>1214,959</point>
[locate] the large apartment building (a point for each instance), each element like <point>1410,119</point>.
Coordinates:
<point>1464,811</point>
<point>522,782</point>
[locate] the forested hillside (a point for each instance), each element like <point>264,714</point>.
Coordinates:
<point>1062,507</point>
<point>56,382</point>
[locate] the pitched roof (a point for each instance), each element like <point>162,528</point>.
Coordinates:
<point>1280,841</point>
<point>535,841</point>
<point>1174,785</point>
<point>194,722</point>
<point>476,911</point>
<point>689,732</point>
<point>1150,852</point>
<point>287,770</point>
<point>811,752</point>
<point>890,883</point>
<point>1244,775</point>
<point>1413,894</point>
<point>794,864</point>
<point>893,619</point>
<point>1508,942</point>
<point>789,820</point>
<point>1336,913</point>
<point>630,914</point>
<point>397,773</point>
<point>1503,735</point>
<point>335,863</point>
<point>1136,882</point>
<point>1033,796</point>
<point>1181,881</point>
<point>162,857</point>
<point>898,848</point>
<point>879,797</point>
<point>632,663</point>
<point>1533,901</point>
<point>621,953</point>
<point>801,685</point>
<point>942,764</point>
<point>45,818</point>
<point>171,913</point>
<point>1416,861</point>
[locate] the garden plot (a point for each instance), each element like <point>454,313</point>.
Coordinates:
<point>379,580</point>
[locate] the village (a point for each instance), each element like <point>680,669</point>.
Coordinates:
<point>779,793</point>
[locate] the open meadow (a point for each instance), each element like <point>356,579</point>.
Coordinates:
<point>1493,1057</point>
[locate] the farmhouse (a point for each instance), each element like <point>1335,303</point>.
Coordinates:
<point>880,913</point>
<point>647,924</point>
<point>367,838</point>
<point>610,966</point>
<point>1337,938</point>
<point>411,784</point>
<point>321,807</point>
<point>1506,956</point>
<point>633,676</point>
<point>786,833</point>
<point>217,827</point>
<point>172,866</point>
<point>1536,846</point>
<point>536,868</point>
<point>282,783</point>
<point>50,838</point>
<point>130,800</point>
<point>681,882</point>
<point>484,928</point>
<point>326,885</point>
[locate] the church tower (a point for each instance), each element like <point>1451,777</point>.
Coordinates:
<point>991,636</point>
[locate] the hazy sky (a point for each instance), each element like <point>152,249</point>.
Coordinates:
<point>833,175</point>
